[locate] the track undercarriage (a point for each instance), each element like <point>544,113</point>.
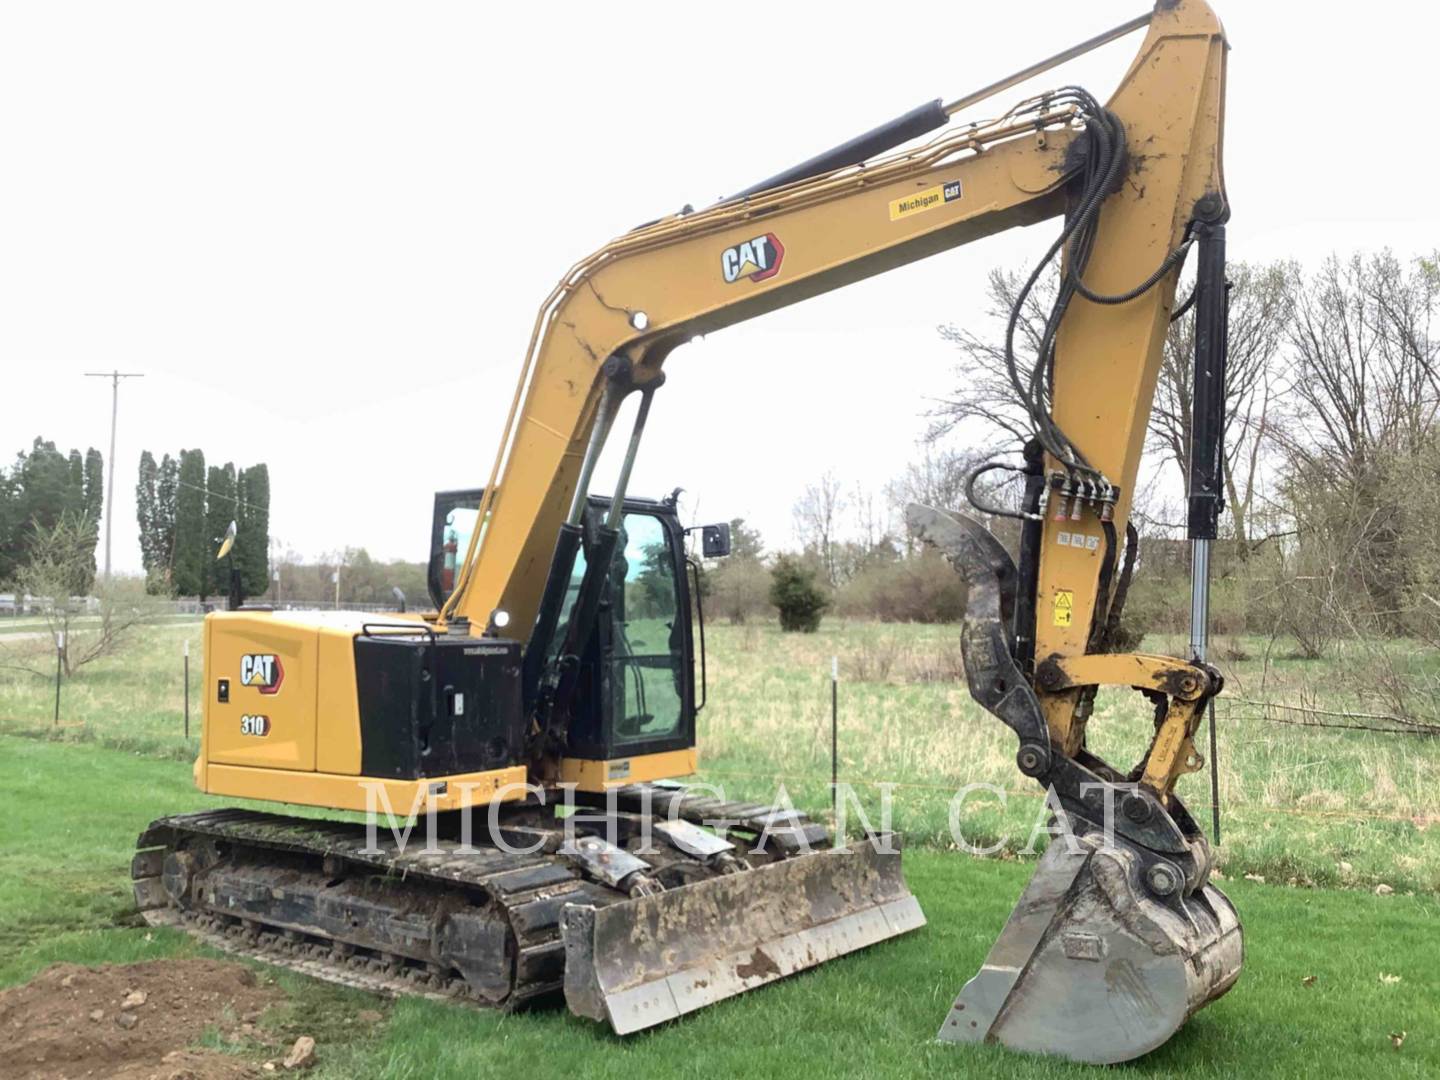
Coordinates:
<point>634,914</point>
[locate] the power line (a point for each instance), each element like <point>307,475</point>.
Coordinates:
<point>213,494</point>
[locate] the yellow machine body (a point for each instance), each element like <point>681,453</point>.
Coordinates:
<point>288,729</point>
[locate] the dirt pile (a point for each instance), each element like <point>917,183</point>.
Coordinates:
<point>133,1021</point>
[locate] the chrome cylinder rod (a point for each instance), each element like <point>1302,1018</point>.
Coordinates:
<point>623,483</point>
<point>610,398</point>
<point>1045,65</point>
<point>1199,599</point>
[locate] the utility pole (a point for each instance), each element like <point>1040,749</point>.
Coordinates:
<point>114,377</point>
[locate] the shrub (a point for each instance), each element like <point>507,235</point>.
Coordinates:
<point>874,659</point>
<point>923,589</point>
<point>738,589</point>
<point>794,593</point>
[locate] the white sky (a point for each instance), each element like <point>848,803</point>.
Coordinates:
<point>322,229</point>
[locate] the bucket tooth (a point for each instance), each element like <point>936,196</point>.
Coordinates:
<point>1092,967</point>
<point>641,962</point>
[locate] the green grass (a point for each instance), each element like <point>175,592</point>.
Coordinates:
<point>35,624</point>
<point>1321,807</point>
<point>132,700</point>
<point>1312,807</point>
<point>73,811</point>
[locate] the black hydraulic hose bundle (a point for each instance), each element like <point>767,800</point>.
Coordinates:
<point>1034,389</point>
<point>1109,641</point>
<point>1104,162</point>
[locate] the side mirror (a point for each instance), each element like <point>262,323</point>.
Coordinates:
<point>715,540</point>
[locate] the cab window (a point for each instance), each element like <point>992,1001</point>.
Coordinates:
<point>646,670</point>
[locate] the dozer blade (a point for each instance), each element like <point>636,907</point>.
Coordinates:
<point>644,961</point>
<point>1091,967</point>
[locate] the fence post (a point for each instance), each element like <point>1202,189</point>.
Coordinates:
<point>1214,775</point>
<point>59,666</point>
<point>187,688</point>
<point>835,738</point>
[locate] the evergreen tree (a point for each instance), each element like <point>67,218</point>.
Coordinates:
<point>221,508</point>
<point>94,497</point>
<point>39,490</point>
<point>167,489</point>
<point>45,480</point>
<point>745,542</point>
<point>145,515</point>
<point>252,541</point>
<point>10,521</point>
<point>43,487</point>
<point>193,551</point>
<point>155,492</point>
<point>75,485</point>
<point>93,501</point>
<point>795,595</point>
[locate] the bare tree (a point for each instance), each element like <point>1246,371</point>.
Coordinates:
<point>817,519</point>
<point>1259,319</point>
<point>1366,404</point>
<point>56,572</point>
<point>983,391</point>
<point>870,518</point>
<point>1259,313</point>
<point>1365,363</point>
<point>936,477</point>
<point>739,588</point>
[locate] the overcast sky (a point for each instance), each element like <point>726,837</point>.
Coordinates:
<point>322,230</point>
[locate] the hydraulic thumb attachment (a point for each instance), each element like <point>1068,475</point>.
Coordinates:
<point>1119,937</point>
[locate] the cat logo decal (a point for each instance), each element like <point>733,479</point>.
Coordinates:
<point>755,259</point>
<point>263,671</point>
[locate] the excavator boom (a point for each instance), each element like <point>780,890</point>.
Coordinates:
<point>690,274</point>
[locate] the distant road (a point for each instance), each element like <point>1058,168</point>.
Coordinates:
<point>22,629</point>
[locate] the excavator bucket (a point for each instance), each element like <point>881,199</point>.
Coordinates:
<point>1118,938</point>
<point>1091,967</point>
<point>641,962</point>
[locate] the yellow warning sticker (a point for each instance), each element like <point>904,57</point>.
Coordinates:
<point>928,199</point>
<point>1064,607</point>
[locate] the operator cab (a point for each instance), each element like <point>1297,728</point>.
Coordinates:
<point>636,690</point>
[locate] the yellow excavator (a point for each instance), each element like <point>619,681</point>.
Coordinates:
<point>532,727</point>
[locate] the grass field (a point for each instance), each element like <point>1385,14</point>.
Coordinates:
<point>72,813</point>
<point>1300,805</point>
<point>1323,808</point>
<point>132,700</point>
<point>34,625</point>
